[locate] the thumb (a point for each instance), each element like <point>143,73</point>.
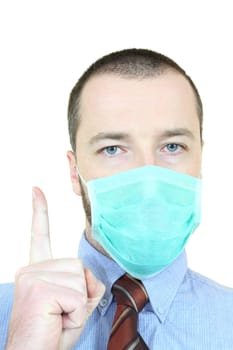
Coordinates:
<point>95,291</point>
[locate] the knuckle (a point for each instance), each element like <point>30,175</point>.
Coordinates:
<point>20,273</point>
<point>75,266</point>
<point>77,263</point>
<point>28,280</point>
<point>23,279</point>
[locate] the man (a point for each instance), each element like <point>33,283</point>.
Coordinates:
<point>135,125</point>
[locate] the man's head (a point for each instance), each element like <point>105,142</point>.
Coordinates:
<point>129,109</point>
<point>136,64</point>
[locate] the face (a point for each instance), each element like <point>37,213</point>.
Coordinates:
<point>130,123</point>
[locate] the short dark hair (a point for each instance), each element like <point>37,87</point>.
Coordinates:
<point>129,63</point>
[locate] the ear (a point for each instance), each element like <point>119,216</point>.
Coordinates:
<point>73,172</point>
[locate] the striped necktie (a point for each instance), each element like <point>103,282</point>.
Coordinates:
<point>131,297</point>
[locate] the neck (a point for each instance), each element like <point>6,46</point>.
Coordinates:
<point>92,241</point>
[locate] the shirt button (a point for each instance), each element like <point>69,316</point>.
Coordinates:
<point>160,310</point>
<point>103,302</point>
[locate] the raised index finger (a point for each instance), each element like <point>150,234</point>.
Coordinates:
<point>40,240</point>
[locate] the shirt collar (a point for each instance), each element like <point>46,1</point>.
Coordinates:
<point>161,288</point>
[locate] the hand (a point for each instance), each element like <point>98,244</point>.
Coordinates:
<point>53,298</point>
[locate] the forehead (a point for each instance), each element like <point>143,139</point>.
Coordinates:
<point>109,98</point>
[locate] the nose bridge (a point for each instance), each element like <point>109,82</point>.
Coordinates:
<point>146,154</point>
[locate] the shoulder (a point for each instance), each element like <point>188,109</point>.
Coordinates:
<point>206,304</point>
<point>205,282</point>
<point>208,291</point>
<point>6,301</point>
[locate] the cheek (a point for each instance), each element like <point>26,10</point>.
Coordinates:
<point>194,167</point>
<point>190,165</point>
<point>87,167</point>
<point>93,169</point>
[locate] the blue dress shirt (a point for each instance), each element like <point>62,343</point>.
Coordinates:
<point>187,311</point>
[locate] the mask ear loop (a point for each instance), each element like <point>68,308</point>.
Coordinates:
<point>79,175</point>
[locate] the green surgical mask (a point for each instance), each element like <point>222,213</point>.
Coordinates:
<point>144,217</point>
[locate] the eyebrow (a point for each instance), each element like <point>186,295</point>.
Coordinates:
<point>121,136</point>
<point>177,132</point>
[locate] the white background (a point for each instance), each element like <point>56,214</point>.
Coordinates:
<point>44,47</point>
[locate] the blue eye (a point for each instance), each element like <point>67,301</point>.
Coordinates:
<point>111,150</point>
<point>172,147</point>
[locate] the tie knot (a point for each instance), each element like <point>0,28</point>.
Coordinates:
<point>131,292</point>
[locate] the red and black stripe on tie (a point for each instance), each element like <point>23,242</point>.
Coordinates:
<point>131,297</point>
